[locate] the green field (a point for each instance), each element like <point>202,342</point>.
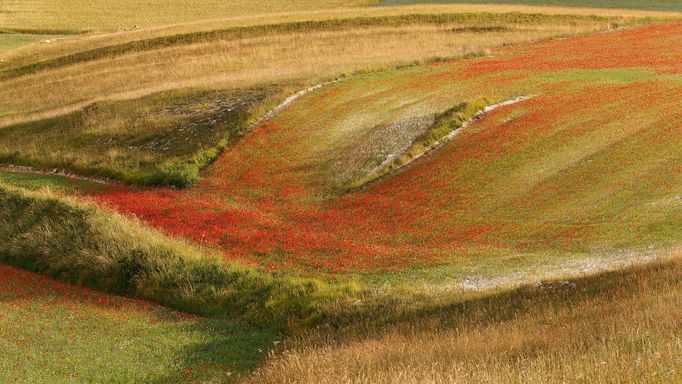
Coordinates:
<point>11,41</point>
<point>54,182</point>
<point>51,332</point>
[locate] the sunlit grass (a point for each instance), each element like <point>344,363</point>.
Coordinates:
<point>612,328</point>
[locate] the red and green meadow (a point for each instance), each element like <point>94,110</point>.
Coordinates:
<point>589,164</point>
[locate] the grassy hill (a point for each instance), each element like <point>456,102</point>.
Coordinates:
<point>438,168</point>
<point>166,102</point>
<point>547,176</point>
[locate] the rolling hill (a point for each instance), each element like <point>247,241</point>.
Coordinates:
<point>311,191</point>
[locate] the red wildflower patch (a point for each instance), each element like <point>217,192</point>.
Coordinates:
<point>564,174</point>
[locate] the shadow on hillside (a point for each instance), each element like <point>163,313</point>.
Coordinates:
<point>228,351</point>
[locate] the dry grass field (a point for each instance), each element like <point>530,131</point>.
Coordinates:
<point>622,327</point>
<point>300,52</point>
<point>102,15</point>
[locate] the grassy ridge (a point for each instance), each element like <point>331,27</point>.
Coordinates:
<point>444,124</point>
<point>82,244</point>
<point>165,138</point>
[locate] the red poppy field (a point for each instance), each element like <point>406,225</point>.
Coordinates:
<point>589,164</point>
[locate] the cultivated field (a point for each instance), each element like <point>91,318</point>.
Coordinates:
<point>340,191</point>
<point>82,15</point>
<point>540,176</point>
<point>52,332</point>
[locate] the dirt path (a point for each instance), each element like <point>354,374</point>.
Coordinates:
<point>58,172</point>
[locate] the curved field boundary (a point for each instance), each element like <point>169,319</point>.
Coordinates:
<point>208,159</point>
<point>58,172</point>
<point>290,100</point>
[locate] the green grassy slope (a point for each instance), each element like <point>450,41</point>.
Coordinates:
<point>654,5</point>
<point>165,138</point>
<point>51,332</point>
<point>556,174</point>
<point>80,243</point>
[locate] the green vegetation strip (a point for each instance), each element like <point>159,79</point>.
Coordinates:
<point>35,181</point>
<point>655,5</point>
<point>29,31</point>
<point>80,243</point>
<point>297,27</point>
